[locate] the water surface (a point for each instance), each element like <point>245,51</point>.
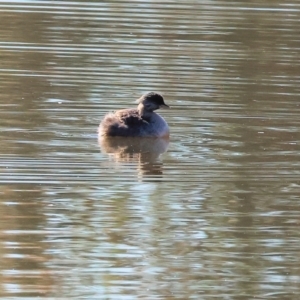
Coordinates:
<point>213,213</point>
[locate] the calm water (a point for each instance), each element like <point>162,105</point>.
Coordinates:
<point>214,213</point>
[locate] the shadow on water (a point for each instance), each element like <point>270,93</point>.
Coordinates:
<point>144,152</point>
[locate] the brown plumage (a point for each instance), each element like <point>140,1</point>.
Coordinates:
<point>139,122</point>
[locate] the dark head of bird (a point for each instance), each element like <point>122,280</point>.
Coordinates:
<point>151,101</point>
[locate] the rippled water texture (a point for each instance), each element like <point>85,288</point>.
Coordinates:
<point>212,213</point>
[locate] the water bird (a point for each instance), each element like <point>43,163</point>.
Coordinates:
<point>137,122</point>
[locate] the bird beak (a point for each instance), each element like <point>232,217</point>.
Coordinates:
<point>164,106</point>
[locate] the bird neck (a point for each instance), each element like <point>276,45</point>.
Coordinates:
<point>143,112</point>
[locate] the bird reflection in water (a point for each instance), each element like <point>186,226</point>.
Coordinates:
<point>143,151</point>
